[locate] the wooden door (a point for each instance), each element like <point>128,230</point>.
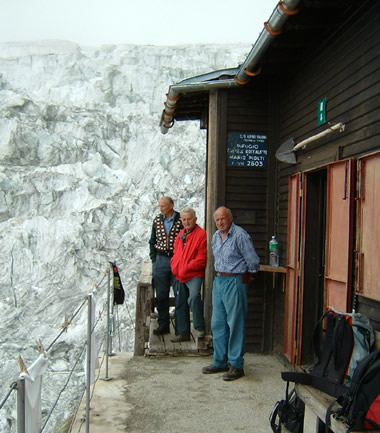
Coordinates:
<point>368,227</point>
<point>339,227</point>
<point>291,295</point>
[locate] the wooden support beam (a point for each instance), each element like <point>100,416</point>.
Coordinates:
<point>215,187</point>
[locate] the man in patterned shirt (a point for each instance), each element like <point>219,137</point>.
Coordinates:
<point>165,229</point>
<point>235,260</point>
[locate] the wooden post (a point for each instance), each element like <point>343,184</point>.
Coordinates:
<point>216,180</point>
<point>144,298</point>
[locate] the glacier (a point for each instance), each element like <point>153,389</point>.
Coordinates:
<point>82,166</point>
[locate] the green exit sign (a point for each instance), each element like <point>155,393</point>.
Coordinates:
<point>321,112</point>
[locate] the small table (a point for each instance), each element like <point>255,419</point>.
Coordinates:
<point>275,271</point>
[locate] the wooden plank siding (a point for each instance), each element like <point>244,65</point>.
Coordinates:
<point>347,74</point>
<point>246,194</point>
<point>344,68</point>
<point>346,71</point>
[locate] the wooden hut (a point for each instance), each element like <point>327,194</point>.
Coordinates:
<point>293,149</point>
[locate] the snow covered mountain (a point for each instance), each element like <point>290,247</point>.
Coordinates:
<point>82,166</point>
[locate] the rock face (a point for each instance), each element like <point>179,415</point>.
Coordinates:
<point>82,166</point>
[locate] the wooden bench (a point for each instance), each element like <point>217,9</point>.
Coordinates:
<point>316,405</point>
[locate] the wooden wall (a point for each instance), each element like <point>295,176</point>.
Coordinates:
<point>246,194</point>
<point>346,71</point>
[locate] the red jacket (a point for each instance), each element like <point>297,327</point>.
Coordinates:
<point>189,260</point>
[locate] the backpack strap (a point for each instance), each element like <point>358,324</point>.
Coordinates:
<point>279,407</point>
<point>324,385</point>
<point>323,358</point>
<point>343,344</point>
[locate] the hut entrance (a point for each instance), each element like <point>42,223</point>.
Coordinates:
<point>314,257</point>
<point>319,269</point>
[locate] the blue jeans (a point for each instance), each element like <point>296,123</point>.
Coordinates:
<point>188,296</point>
<point>229,303</point>
<point>162,280</point>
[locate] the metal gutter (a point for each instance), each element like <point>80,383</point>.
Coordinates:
<point>241,75</point>
<point>272,28</point>
<point>196,84</point>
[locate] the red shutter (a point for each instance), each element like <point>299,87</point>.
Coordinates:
<point>368,227</point>
<point>339,224</point>
<point>290,324</point>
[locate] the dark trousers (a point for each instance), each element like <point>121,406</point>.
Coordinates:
<point>188,297</point>
<point>162,280</point>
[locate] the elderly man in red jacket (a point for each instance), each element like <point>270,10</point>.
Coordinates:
<point>188,266</point>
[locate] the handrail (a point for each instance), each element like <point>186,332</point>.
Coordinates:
<point>66,326</point>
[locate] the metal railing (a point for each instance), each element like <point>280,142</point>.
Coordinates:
<point>20,384</point>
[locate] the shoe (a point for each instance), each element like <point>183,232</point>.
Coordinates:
<point>161,330</point>
<point>180,338</point>
<point>233,374</point>
<point>211,369</point>
<point>199,334</point>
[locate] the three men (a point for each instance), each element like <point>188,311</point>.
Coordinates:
<point>235,262</point>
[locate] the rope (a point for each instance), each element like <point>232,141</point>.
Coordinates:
<point>74,315</point>
<point>130,316</point>
<point>12,386</point>
<point>64,329</point>
<point>64,387</point>
<point>93,390</point>
<point>76,363</point>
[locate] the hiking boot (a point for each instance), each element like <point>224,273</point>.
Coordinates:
<point>161,330</point>
<point>233,374</point>
<point>180,338</point>
<point>211,369</point>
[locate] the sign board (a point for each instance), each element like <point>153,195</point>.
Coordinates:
<point>247,149</point>
<point>321,112</point>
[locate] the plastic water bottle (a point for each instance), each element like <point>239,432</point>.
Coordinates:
<point>274,258</point>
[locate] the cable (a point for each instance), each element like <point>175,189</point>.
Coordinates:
<point>12,386</point>
<point>64,329</point>
<point>64,387</point>
<point>80,400</point>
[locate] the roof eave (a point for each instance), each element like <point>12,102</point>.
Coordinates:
<point>237,76</point>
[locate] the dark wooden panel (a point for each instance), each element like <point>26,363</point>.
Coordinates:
<point>246,196</point>
<point>371,309</point>
<point>346,72</point>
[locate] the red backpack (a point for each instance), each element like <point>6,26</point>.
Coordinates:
<point>361,404</point>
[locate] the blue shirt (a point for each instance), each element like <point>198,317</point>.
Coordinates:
<point>236,253</point>
<point>168,223</point>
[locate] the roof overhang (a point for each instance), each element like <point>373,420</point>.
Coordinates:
<point>294,31</point>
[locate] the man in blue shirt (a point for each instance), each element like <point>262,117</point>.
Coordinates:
<point>235,260</point>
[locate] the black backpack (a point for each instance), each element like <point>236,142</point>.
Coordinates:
<point>288,413</point>
<point>337,348</point>
<point>360,406</point>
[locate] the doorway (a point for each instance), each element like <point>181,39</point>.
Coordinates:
<point>314,241</point>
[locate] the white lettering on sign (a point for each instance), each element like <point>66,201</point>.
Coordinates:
<point>247,149</point>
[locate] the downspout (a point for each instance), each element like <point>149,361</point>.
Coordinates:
<point>248,69</point>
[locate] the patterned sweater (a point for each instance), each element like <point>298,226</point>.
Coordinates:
<point>160,242</point>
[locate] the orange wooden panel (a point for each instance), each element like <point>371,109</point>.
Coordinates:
<point>292,267</point>
<point>338,265</point>
<point>368,227</point>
